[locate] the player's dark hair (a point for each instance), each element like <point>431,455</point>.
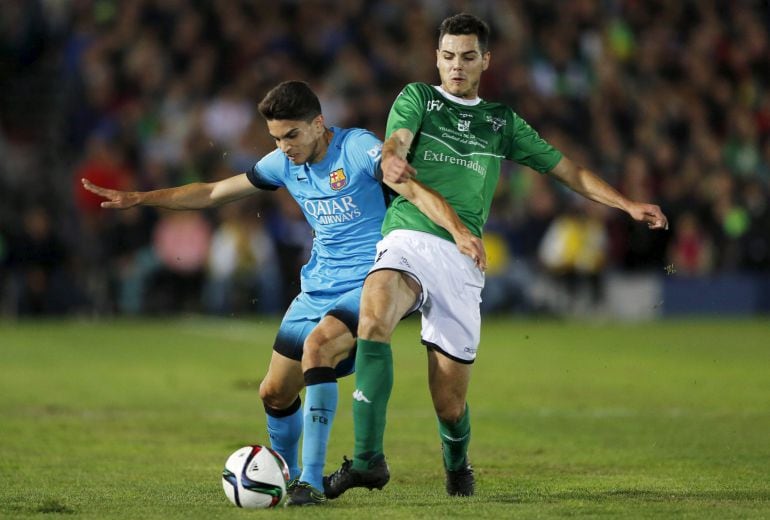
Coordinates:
<point>290,101</point>
<point>465,23</point>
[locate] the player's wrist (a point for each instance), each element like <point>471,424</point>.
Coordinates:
<point>143,198</point>
<point>627,205</point>
<point>460,234</point>
<point>388,156</point>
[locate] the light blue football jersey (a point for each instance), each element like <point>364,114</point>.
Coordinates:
<point>343,201</point>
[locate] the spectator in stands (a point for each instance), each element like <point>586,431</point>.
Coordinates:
<point>678,90</point>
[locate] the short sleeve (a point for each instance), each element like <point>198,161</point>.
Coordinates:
<point>267,173</point>
<point>528,148</point>
<point>407,110</point>
<point>364,152</point>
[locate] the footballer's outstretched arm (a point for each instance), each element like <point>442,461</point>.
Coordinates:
<point>436,208</point>
<point>197,195</point>
<point>587,183</point>
<point>399,176</point>
<point>395,169</point>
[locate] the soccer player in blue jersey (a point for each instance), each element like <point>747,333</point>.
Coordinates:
<point>334,176</point>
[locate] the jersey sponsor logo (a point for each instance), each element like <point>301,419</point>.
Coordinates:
<point>358,395</point>
<point>496,122</point>
<point>333,211</point>
<point>476,166</point>
<point>337,179</point>
<point>434,104</point>
<point>463,125</point>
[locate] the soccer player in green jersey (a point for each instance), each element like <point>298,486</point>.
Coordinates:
<point>455,141</point>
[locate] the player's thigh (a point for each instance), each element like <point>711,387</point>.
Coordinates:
<point>282,383</point>
<point>448,381</point>
<point>451,318</point>
<point>284,378</point>
<point>329,343</point>
<point>388,295</point>
<point>300,319</point>
<point>332,342</point>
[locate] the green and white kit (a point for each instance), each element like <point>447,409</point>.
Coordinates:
<point>457,150</point>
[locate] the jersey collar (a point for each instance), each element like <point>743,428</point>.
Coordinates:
<point>461,101</point>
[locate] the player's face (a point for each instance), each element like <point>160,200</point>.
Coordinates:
<point>301,141</point>
<point>460,63</point>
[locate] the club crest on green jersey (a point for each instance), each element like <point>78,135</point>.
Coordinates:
<point>497,122</point>
<point>337,179</point>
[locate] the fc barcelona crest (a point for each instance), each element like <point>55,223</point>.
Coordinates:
<point>337,179</point>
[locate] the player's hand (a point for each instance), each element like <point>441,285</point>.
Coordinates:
<point>396,170</point>
<point>115,199</point>
<point>649,213</point>
<point>471,245</point>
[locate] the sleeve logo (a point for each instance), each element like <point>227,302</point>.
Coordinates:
<point>375,152</point>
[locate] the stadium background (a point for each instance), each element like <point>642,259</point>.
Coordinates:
<point>669,101</point>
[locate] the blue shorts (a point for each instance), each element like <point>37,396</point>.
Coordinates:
<point>306,311</point>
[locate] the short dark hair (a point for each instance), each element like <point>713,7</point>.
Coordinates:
<point>465,23</point>
<point>290,101</point>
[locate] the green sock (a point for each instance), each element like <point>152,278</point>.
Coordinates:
<point>374,381</point>
<point>455,439</point>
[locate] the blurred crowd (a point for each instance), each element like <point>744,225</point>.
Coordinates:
<point>668,101</point>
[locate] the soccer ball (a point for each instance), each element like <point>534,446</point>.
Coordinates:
<point>255,477</point>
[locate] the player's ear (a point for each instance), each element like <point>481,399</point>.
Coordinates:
<point>318,122</point>
<point>485,60</point>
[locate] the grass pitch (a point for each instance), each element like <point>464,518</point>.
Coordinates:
<point>135,419</point>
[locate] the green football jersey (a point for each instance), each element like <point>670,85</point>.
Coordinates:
<point>457,151</point>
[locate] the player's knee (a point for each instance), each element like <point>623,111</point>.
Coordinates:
<point>450,411</point>
<point>372,328</point>
<point>274,396</point>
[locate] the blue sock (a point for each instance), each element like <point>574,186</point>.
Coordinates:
<point>320,408</point>
<point>284,427</point>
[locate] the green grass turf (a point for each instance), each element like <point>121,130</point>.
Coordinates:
<point>135,419</point>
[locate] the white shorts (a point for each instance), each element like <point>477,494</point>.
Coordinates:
<point>451,289</point>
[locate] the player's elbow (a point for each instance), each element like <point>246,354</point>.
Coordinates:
<point>215,196</point>
<point>406,189</point>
